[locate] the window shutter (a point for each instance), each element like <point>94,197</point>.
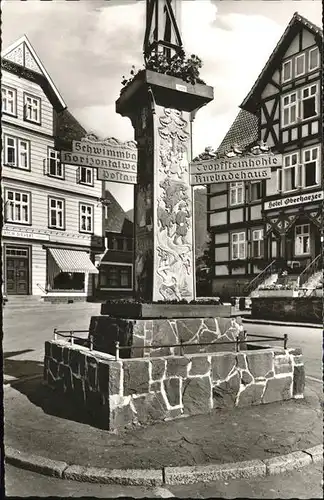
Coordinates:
<point>78,175</point>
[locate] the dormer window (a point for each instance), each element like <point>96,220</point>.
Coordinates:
<point>300,65</point>
<point>313,59</point>
<point>287,71</point>
<point>32,109</point>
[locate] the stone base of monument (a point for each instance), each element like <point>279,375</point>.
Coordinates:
<point>160,329</point>
<point>114,394</point>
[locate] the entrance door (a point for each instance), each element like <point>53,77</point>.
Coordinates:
<point>17,264</point>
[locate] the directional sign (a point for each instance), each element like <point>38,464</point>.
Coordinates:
<point>235,163</point>
<point>256,174</point>
<point>105,174</point>
<point>86,160</point>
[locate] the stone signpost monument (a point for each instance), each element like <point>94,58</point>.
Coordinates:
<point>162,108</point>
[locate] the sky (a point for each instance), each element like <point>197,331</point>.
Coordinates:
<point>88,45</point>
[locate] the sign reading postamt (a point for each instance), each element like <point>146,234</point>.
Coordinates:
<point>256,174</point>
<point>235,163</point>
<point>294,200</point>
<point>110,175</point>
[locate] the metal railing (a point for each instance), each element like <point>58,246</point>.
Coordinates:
<point>264,274</point>
<point>240,340</point>
<point>311,269</point>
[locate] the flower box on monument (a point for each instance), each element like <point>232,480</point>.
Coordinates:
<point>173,91</point>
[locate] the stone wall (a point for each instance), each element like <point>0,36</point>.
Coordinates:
<point>144,390</point>
<point>157,333</point>
<point>299,309</point>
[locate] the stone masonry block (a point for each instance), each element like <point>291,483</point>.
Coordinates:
<point>260,363</point>
<point>251,395</point>
<point>155,386</point>
<point>103,377</point>
<point>158,368</point>
<point>221,365</point>
<point>115,369</point>
<point>48,348</point>
<point>299,380</point>
<point>136,376</point>
<point>188,328</point>
<point>163,333</point>
<point>172,390</point>
<point>225,392</point>
<point>92,371</point>
<point>57,352</point>
<point>66,355</point>
<point>120,417</point>
<point>53,366</point>
<point>241,361</point>
<point>199,365</point>
<point>177,367</point>
<point>196,395</point>
<point>296,351</point>
<point>150,408</point>
<point>277,389</point>
<point>282,364</point>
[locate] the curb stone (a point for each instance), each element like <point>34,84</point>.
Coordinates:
<point>167,475</point>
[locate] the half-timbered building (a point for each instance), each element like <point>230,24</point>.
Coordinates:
<point>254,225</point>
<point>52,221</point>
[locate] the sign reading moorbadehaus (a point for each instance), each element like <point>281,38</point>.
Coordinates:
<point>235,163</point>
<point>294,200</point>
<point>240,175</point>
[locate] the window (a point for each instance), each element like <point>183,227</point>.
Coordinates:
<point>255,191</point>
<point>32,107</point>
<point>313,61</point>
<point>308,102</point>
<point>9,100</point>
<point>16,152</point>
<point>115,276</point>
<point>289,109</point>
<point>129,244</point>
<point>86,218</point>
<point>286,71</point>
<point>17,207</point>
<point>257,243</point>
<point>236,193</point>
<point>120,243</point>
<point>310,167</point>
<point>300,65</point>
<point>302,239</point>
<point>54,165</point>
<point>86,176</point>
<point>238,246</point>
<point>290,172</point>
<point>56,213</point>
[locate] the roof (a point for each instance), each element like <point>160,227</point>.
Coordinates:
<point>118,221</point>
<point>67,129</point>
<point>21,52</point>
<point>242,133</point>
<point>296,23</point>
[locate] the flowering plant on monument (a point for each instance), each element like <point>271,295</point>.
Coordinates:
<point>179,66</point>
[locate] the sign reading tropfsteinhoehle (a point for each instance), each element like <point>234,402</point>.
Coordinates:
<point>233,169</point>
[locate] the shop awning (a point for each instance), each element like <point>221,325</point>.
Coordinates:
<point>73,261</point>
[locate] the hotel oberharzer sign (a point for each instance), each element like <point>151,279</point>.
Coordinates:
<point>115,161</point>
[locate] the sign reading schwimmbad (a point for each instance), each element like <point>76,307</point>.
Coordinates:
<point>115,161</point>
<point>237,168</point>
